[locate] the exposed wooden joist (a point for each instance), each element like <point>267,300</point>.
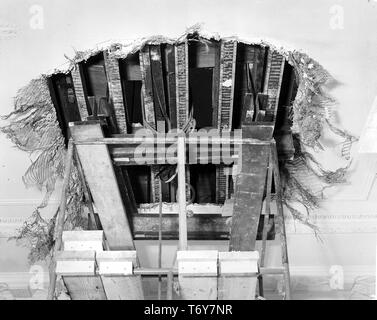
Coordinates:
<point>237,275</point>
<point>199,226</point>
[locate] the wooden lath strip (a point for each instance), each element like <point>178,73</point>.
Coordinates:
<point>115,91</point>
<point>273,79</point>
<point>79,91</point>
<point>226,83</point>
<point>182,86</point>
<point>227,69</point>
<point>182,92</point>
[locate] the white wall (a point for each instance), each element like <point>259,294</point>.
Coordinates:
<point>348,220</point>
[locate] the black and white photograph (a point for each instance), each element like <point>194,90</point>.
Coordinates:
<point>188,150</point>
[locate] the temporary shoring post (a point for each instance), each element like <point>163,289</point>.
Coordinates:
<point>60,220</point>
<point>181,152</point>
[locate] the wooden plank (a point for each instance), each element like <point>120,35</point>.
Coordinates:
<point>84,288</point>
<point>116,270</point>
<point>115,91</point>
<point>248,198</point>
<point>237,275</point>
<point>197,274</point>
<point>123,287</point>
<point>79,91</point>
<point>100,175</point>
<point>78,271</point>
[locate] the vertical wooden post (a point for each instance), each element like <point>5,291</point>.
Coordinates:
<point>181,153</point>
<point>280,223</point>
<point>60,220</point>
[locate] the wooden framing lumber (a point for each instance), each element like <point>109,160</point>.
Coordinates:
<point>115,90</point>
<point>250,184</point>
<point>100,175</point>
<point>116,270</point>
<point>79,91</point>
<point>197,274</point>
<point>237,275</point>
